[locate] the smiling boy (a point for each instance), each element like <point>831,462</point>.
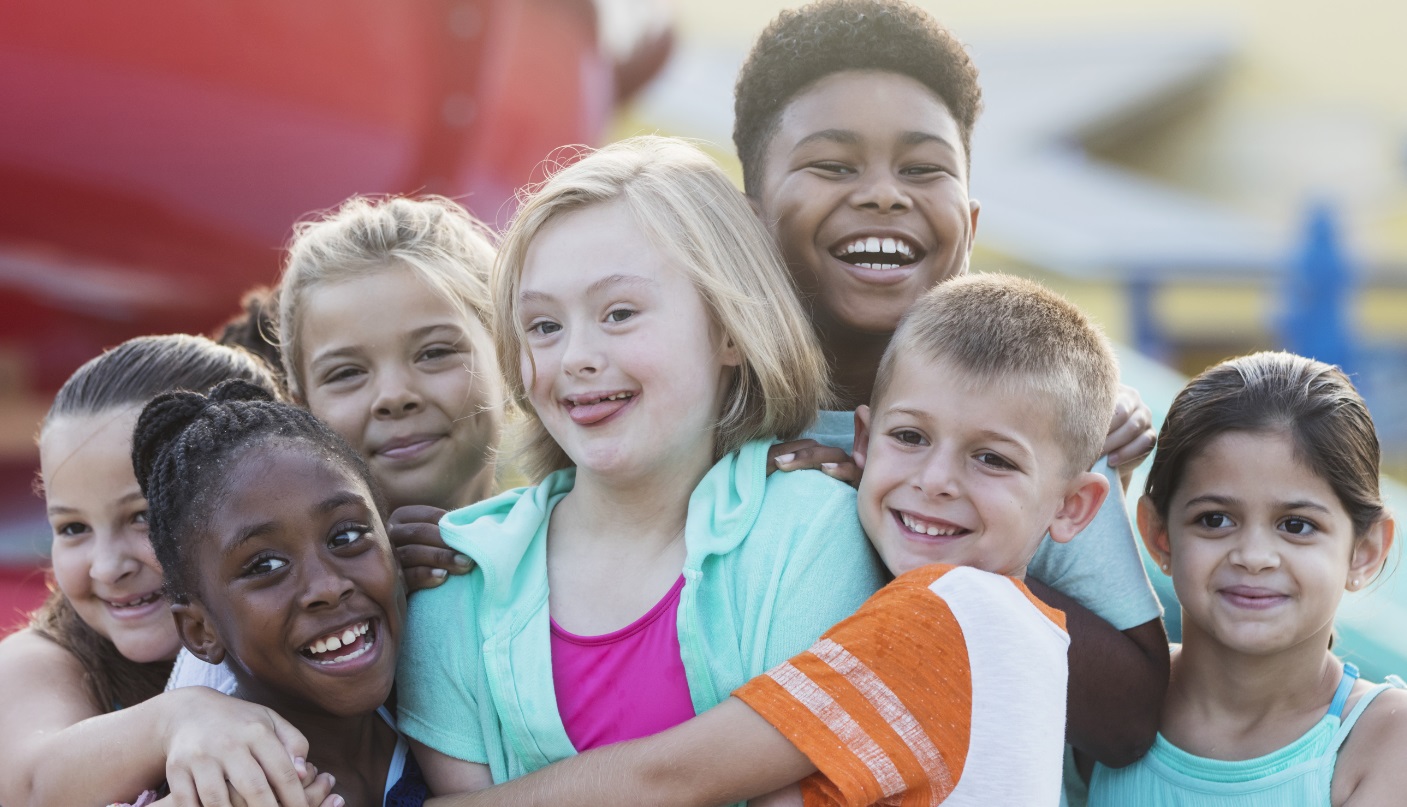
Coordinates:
<point>853,123</point>
<point>948,685</point>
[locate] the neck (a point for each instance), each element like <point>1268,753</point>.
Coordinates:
<point>1209,678</point>
<point>642,511</point>
<point>853,357</point>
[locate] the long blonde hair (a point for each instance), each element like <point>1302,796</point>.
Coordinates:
<point>436,239</point>
<point>689,209</point>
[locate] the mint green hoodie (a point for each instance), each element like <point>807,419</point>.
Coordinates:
<point>771,563</point>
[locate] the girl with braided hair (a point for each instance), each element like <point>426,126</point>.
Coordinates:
<point>84,719</point>
<point>269,530</point>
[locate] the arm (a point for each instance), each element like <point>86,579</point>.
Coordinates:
<point>1369,769</point>
<point>60,749</point>
<point>1117,681</point>
<point>727,754</point>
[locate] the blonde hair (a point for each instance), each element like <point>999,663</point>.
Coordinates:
<point>689,210</point>
<point>1015,332</point>
<point>434,238</point>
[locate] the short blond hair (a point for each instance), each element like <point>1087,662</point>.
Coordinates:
<point>446,248</point>
<point>692,213</point>
<point>1007,330</point>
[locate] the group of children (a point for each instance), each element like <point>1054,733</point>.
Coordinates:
<point>815,516</point>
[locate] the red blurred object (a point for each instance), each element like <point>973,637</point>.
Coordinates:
<point>22,589</point>
<point>154,156</point>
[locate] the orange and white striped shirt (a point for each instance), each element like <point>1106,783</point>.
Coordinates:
<point>946,687</point>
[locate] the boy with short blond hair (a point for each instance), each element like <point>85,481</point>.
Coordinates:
<point>948,684</point>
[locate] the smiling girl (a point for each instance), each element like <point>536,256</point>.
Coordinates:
<point>269,530</point>
<point>382,307</point>
<point>1263,504</point>
<point>650,337</point>
<point>83,721</point>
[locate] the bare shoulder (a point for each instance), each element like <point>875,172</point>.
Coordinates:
<point>1369,766</point>
<point>42,682</point>
<point>28,653</point>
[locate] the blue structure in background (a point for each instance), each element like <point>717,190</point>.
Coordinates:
<point>1318,290</point>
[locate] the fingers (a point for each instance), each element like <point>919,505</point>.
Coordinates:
<point>847,472</point>
<point>1132,442</point>
<point>415,514</point>
<point>247,784</point>
<point>832,462</point>
<point>210,787</point>
<point>787,450</point>
<point>319,792</point>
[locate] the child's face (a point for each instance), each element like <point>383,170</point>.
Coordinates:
<point>864,188</point>
<point>411,384</point>
<point>294,555</point>
<point>957,471</point>
<point>1261,549</point>
<point>102,559</point>
<point>621,361</point>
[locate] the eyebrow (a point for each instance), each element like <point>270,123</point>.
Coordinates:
<point>618,279</point>
<point>1227,501</point>
<point>848,137</point>
<point>256,530</point>
<point>59,509</point>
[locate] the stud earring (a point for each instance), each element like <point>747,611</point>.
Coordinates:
<point>1355,583</point>
<point>1166,567</point>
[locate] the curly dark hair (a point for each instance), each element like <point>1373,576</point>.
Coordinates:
<point>186,442</point>
<point>804,45</point>
<point>254,328</point>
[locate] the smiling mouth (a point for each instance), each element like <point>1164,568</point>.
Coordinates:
<point>932,529</point>
<point>407,448</point>
<point>873,252</point>
<point>134,602</point>
<point>341,646</point>
<point>591,408</point>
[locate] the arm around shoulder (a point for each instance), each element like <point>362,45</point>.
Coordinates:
<point>1369,770</point>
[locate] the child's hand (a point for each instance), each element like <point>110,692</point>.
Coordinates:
<point>808,454</point>
<point>426,561</point>
<point>317,790</point>
<point>219,749</point>
<point>1131,435</point>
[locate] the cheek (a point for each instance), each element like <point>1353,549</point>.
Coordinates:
<point>71,567</point>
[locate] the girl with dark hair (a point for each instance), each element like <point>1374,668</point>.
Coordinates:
<point>1263,505</point>
<point>269,529</point>
<point>83,721</point>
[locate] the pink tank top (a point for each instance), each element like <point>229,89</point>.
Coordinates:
<point>625,684</point>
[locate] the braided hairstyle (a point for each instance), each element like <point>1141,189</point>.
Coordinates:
<point>184,445</point>
<point>128,375</point>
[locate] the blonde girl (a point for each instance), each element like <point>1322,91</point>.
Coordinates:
<point>1263,504</point>
<point>650,338</point>
<point>83,720</point>
<point>381,316</point>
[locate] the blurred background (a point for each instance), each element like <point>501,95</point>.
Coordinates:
<point>1204,177</point>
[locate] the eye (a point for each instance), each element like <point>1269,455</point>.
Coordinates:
<point>72,529</point>
<point>832,167</point>
<point>140,518</point>
<point>544,327</point>
<point>620,314</point>
<point>907,437</point>
<point>1298,526</point>
<point>347,536</point>
<point>1214,521</point>
<point>995,460</point>
<point>264,564</point>
<point>343,373</point>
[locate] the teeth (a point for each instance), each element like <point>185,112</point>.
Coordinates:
<point>337,641</point>
<point>932,530</point>
<point>348,636</point>
<point>872,245</point>
<point>888,246</point>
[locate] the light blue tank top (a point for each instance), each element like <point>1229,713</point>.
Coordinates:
<point>1298,774</point>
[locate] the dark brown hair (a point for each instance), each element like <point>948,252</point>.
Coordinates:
<point>127,375</point>
<point>803,46</point>
<point>1312,402</point>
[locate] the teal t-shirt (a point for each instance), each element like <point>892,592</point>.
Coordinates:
<point>772,562</point>
<point>1100,569</point>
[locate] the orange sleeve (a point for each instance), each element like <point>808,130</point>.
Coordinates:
<point>882,703</point>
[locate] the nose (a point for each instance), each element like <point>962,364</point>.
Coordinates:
<point>1256,550</point>
<point>396,394</point>
<point>117,554</point>
<point>582,353</point>
<point>324,584</point>
<point>881,191</point>
<point>938,477</point>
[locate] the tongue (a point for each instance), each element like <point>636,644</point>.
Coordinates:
<point>587,414</point>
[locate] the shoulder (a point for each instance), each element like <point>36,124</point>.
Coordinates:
<point>1372,754</point>
<point>27,654</point>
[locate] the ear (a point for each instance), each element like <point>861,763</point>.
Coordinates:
<point>1155,534</point>
<point>861,447</point>
<point>1369,554</point>
<point>974,208</point>
<point>728,354</point>
<point>1083,497</point>
<point>198,633</point>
